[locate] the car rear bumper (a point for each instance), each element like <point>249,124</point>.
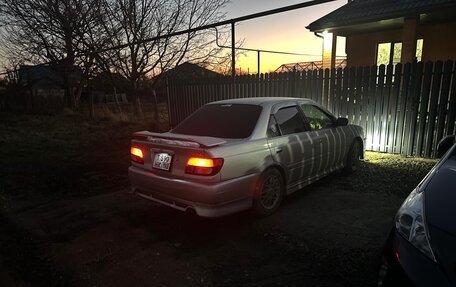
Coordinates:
<point>206,199</point>
<point>407,266</point>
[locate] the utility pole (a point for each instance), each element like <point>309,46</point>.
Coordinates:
<point>233,50</point>
<point>258,69</point>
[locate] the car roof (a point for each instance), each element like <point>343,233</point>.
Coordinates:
<point>262,100</point>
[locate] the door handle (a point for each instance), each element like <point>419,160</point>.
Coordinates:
<point>278,150</point>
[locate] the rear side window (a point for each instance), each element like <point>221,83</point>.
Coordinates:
<point>231,121</point>
<point>290,121</point>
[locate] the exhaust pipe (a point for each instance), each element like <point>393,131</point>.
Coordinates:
<point>191,211</point>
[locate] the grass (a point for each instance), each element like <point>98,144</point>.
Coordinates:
<point>390,173</point>
<point>63,154</point>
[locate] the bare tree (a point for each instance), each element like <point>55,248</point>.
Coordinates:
<point>11,70</point>
<point>69,33</point>
<point>52,31</point>
<point>132,21</point>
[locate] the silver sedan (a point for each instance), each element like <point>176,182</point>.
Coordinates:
<point>239,154</point>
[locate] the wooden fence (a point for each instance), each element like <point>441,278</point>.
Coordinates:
<point>404,109</point>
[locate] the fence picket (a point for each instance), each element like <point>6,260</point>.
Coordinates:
<point>443,102</point>
<point>351,94</point>
<point>452,107</point>
<point>412,107</point>
<point>401,108</point>
<point>332,91</point>
<point>324,99</point>
<point>433,108</point>
<point>424,103</point>
<point>344,93</point>
<point>386,110</point>
<point>378,102</point>
<point>338,92</point>
<point>358,96</point>
<point>371,108</point>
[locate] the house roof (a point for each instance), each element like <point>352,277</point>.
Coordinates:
<point>367,11</point>
<point>189,70</point>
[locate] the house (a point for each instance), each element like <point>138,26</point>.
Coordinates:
<point>183,74</point>
<point>189,70</point>
<point>41,80</point>
<point>390,31</point>
<point>109,88</point>
<point>42,86</point>
<point>45,80</point>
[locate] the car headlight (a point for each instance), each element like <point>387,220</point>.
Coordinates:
<point>411,225</point>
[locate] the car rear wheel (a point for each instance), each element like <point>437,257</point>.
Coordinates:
<point>269,193</point>
<point>353,158</point>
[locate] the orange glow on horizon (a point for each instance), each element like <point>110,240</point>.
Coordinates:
<point>284,32</point>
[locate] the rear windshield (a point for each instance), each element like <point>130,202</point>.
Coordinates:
<point>231,121</point>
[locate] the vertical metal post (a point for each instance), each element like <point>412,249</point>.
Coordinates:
<point>259,71</point>
<point>170,120</point>
<point>334,51</point>
<point>233,50</point>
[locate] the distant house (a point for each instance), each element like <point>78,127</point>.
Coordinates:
<point>109,88</point>
<point>391,31</point>
<point>44,79</point>
<point>189,70</point>
<point>43,86</point>
<point>185,73</point>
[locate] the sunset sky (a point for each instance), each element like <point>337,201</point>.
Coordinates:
<point>284,32</point>
<point>281,32</point>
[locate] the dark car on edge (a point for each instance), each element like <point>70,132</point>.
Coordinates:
<point>421,248</point>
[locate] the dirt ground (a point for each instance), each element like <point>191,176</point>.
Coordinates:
<point>66,218</point>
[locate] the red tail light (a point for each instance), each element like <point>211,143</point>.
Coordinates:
<point>136,155</point>
<point>204,166</point>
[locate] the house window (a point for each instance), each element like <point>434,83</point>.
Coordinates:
<point>389,53</point>
<point>419,50</point>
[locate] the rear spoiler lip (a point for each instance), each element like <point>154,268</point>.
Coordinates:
<point>199,140</point>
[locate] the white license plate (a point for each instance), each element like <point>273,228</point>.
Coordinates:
<point>162,161</point>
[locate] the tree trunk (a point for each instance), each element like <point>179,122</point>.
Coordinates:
<point>91,107</point>
<point>156,111</point>
<point>136,101</point>
<point>68,69</point>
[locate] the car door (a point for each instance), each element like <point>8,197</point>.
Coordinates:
<point>328,145</point>
<point>290,144</point>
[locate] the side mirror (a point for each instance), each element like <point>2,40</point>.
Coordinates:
<point>445,144</point>
<point>341,122</point>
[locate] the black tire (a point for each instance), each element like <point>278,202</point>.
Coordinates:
<point>269,192</point>
<point>353,158</point>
